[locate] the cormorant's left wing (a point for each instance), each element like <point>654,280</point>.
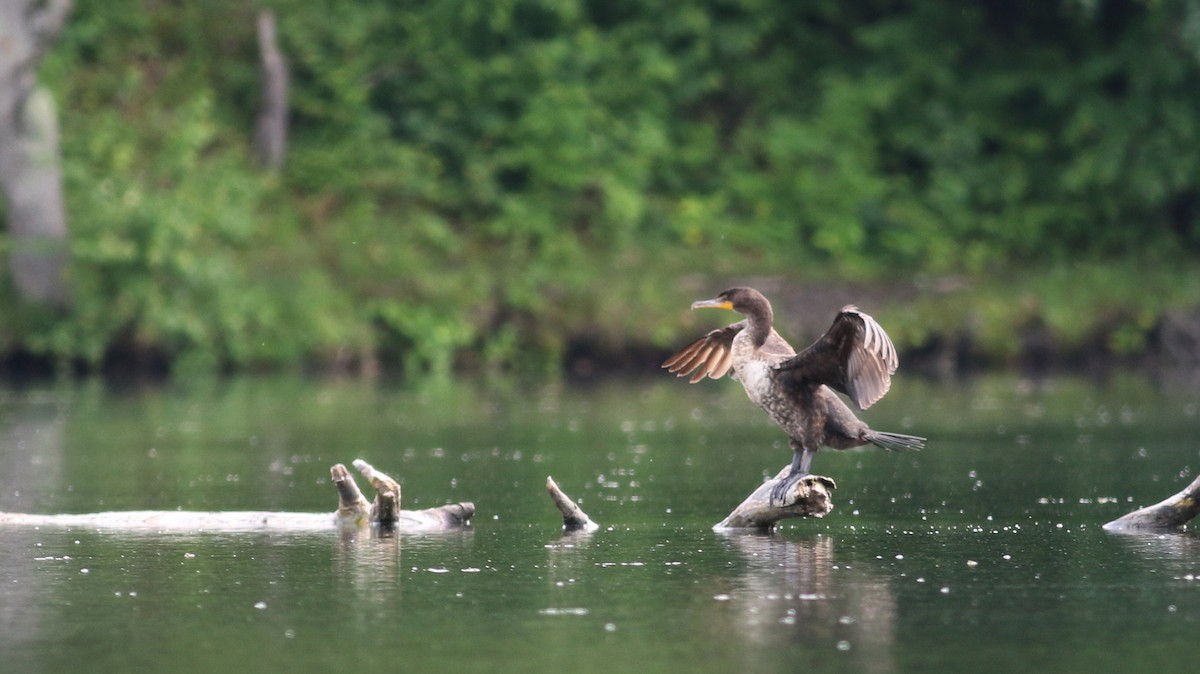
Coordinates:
<point>855,356</point>
<point>709,356</point>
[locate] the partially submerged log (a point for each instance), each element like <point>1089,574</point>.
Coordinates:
<point>1167,515</point>
<point>810,497</point>
<point>354,512</point>
<point>574,519</point>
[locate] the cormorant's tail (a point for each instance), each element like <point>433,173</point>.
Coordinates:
<point>895,441</point>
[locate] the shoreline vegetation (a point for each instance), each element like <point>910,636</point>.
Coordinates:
<point>1052,321</point>
<point>535,187</point>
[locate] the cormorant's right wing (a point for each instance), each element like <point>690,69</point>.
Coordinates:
<point>710,356</point>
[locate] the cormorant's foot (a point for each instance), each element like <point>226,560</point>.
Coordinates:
<point>782,490</point>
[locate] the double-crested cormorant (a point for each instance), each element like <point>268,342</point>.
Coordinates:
<point>796,390</point>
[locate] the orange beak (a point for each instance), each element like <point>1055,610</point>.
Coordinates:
<point>713,304</point>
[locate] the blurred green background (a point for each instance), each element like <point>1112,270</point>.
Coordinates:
<point>540,185</point>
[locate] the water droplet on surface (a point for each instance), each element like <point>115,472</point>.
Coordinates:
<point>563,611</point>
<point>261,605</point>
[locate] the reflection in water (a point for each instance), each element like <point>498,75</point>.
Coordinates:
<point>565,564</point>
<point>794,592</point>
<point>22,596</point>
<point>1178,550</point>
<point>31,465</point>
<point>369,560</point>
<point>367,564</point>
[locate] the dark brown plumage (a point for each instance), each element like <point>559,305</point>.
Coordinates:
<point>855,357</point>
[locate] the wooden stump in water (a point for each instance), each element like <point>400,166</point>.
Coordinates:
<point>810,497</point>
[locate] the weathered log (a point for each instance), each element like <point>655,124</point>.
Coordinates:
<point>574,519</point>
<point>354,512</point>
<point>1167,515</point>
<point>810,497</point>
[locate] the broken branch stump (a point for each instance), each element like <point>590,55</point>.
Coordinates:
<point>1165,515</point>
<point>574,519</point>
<point>386,508</point>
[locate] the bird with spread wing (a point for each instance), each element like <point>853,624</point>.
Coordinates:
<point>796,390</point>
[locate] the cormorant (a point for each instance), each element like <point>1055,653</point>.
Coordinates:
<point>855,356</point>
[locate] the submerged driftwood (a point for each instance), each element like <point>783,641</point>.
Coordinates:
<point>1166,515</point>
<point>810,497</point>
<point>354,511</point>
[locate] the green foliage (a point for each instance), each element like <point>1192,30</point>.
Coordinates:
<point>179,245</point>
<point>1087,308</point>
<point>500,178</point>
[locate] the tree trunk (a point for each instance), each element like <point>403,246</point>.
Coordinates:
<point>30,174</point>
<point>271,133</point>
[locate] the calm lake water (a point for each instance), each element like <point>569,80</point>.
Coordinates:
<point>984,552</point>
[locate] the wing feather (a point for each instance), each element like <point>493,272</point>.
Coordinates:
<point>699,356</point>
<point>723,365</point>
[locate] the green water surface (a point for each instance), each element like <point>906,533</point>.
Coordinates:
<point>983,553</point>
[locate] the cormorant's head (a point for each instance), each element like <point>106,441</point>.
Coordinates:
<point>745,301</point>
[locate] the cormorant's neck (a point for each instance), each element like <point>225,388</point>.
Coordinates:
<point>759,319</point>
